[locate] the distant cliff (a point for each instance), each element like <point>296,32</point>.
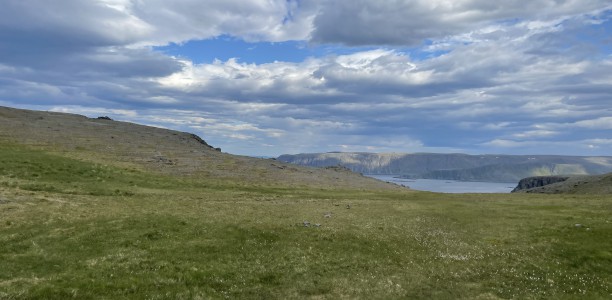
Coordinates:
<point>537,181</point>
<point>505,172</point>
<point>581,184</point>
<point>494,168</point>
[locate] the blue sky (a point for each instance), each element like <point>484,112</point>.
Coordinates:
<point>267,77</point>
<point>226,47</point>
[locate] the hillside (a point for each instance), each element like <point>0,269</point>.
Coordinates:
<point>594,184</point>
<point>100,209</point>
<point>157,149</point>
<point>500,168</point>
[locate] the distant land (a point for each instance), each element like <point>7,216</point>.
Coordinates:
<point>490,168</point>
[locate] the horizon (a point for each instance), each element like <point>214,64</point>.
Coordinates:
<point>337,151</point>
<point>266,78</point>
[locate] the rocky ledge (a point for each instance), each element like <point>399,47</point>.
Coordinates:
<point>537,181</point>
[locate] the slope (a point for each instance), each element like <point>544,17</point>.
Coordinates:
<point>594,184</point>
<point>157,149</point>
<point>78,222</point>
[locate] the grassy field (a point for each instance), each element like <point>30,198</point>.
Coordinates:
<point>76,229</point>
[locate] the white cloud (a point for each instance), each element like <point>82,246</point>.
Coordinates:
<point>511,75</point>
<point>410,22</point>
<point>535,134</point>
<point>93,111</point>
<point>599,123</point>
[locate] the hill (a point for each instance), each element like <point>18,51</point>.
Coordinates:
<point>500,168</point>
<point>594,184</point>
<point>99,209</point>
<point>161,150</point>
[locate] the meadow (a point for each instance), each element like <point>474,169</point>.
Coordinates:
<point>72,228</point>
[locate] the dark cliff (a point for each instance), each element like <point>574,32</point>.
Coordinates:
<point>537,181</point>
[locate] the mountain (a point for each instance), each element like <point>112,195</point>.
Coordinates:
<point>494,168</point>
<point>105,141</point>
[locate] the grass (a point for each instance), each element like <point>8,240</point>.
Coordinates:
<point>74,229</point>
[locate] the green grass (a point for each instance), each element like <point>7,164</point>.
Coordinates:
<point>74,229</point>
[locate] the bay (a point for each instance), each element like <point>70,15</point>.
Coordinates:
<point>449,186</point>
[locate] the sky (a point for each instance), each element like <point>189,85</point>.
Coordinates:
<point>272,77</point>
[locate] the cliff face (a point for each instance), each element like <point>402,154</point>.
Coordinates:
<point>537,181</point>
<point>493,168</point>
<point>508,172</point>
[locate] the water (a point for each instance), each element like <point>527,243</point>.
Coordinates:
<point>449,186</point>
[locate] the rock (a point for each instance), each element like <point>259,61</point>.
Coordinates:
<point>162,160</point>
<point>306,224</point>
<point>104,118</point>
<point>317,225</point>
<point>578,225</point>
<point>203,142</point>
<point>537,181</point>
<point>327,215</point>
<point>348,206</point>
<point>339,168</point>
<point>199,139</point>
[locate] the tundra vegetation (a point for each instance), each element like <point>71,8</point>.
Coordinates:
<point>78,225</point>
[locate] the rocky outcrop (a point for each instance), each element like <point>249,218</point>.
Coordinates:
<point>339,168</point>
<point>537,181</point>
<point>201,141</point>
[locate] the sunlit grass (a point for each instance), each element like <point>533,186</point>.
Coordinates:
<point>73,229</point>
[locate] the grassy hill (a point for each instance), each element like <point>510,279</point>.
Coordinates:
<point>159,150</point>
<point>97,209</point>
<point>595,184</point>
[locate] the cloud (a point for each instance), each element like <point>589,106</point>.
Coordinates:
<point>411,22</point>
<point>599,123</point>
<point>255,20</point>
<point>463,76</point>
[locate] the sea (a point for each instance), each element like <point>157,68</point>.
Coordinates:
<point>449,186</point>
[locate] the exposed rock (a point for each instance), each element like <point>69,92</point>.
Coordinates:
<point>537,181</point>
<point>201,141</point>
<point>162,160</point>
<point>280,167</point>
<point>338,168</point>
